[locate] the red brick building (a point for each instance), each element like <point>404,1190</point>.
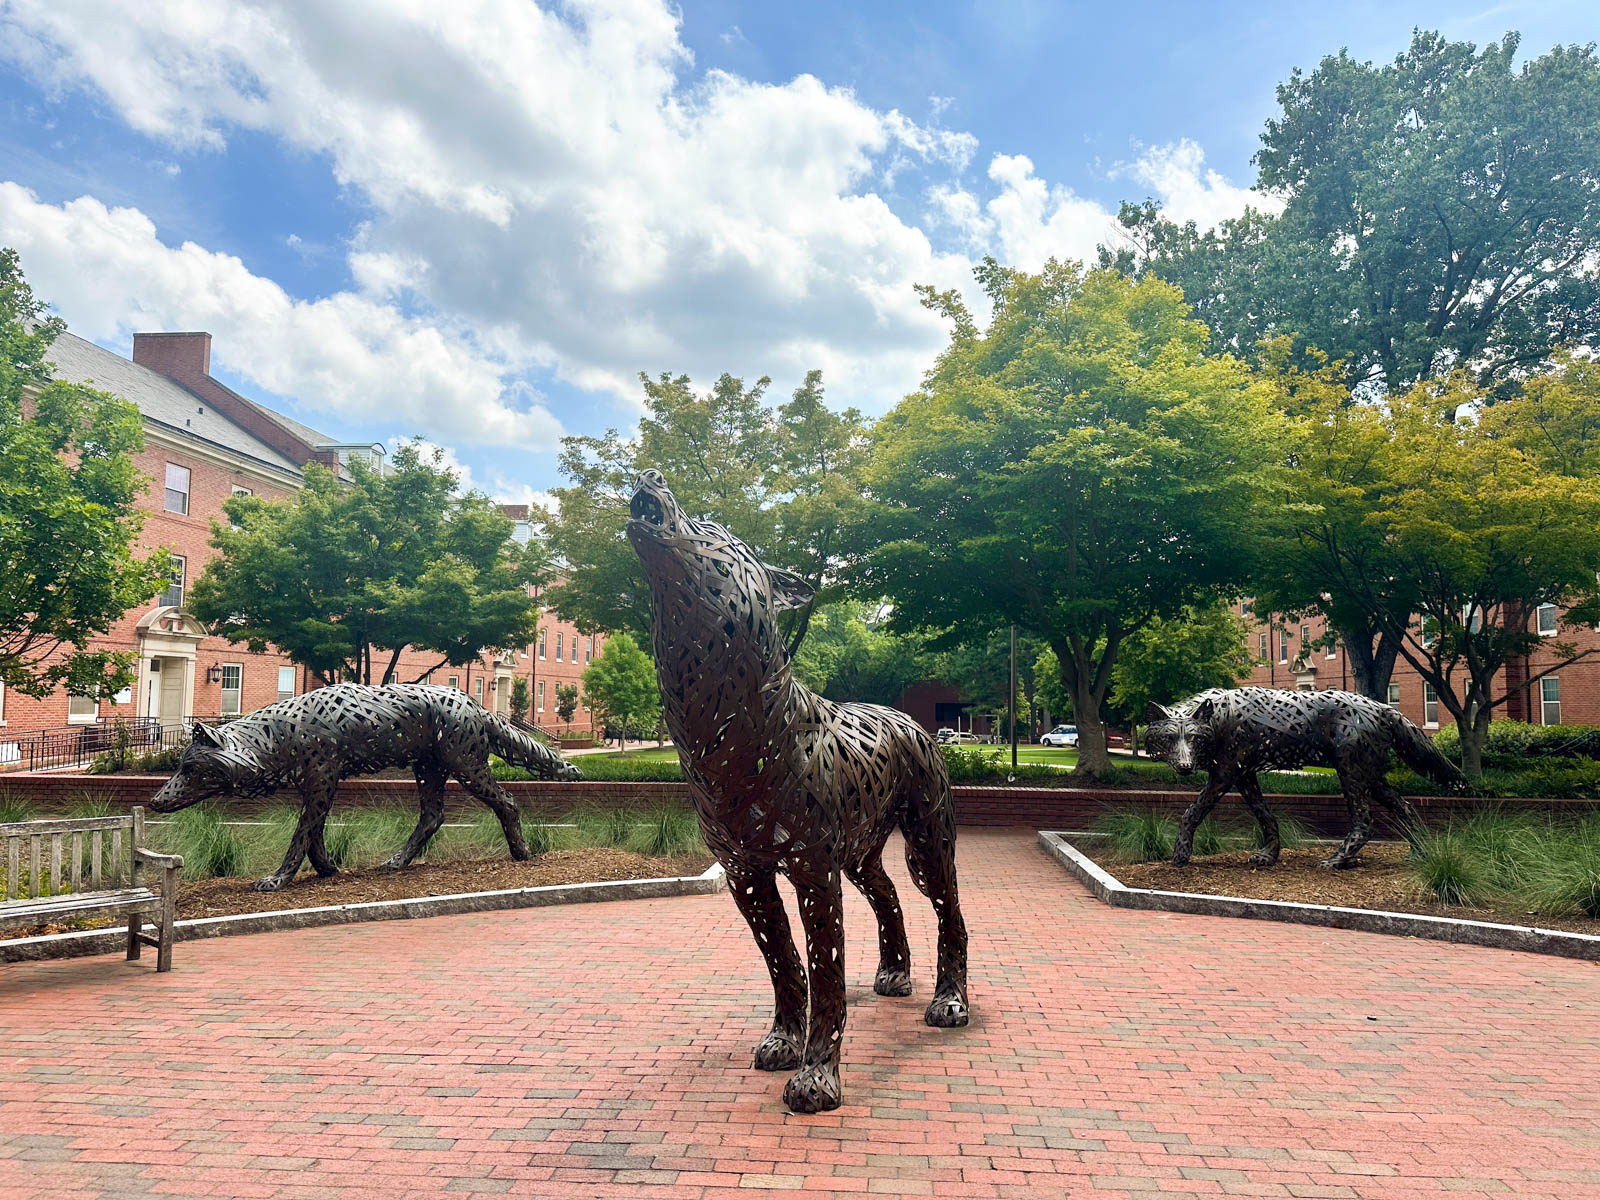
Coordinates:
<point>1300,655</point>
<point>203,443</point>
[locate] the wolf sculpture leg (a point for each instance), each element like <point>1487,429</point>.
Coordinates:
<point>1358,802</point>
<point>430,802</point>
<point>477,780</point>
<point>894,952</point>
<point>317,851</point>
<point>316,800</point>
<point>815,1086</point>
<point>1217,786</point>
<point>930,832</point>
<point>1271,840</point>
<point>757,899</point>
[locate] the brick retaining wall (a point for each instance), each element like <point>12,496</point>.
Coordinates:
<point>1032,808</point>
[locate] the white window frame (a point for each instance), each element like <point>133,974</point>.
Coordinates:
<point>284,695</point>
<point>176,473</point>
<point>541,644</point>
<point>1430,707</point>
<point>588,649</point>
<point>1546,701</point>
<point>455,682</point>
<point>1538,620</point>
<point>1266,652</point>
<point>1333,649</point>
<point>559,637</point>
<point>88,718</point>
<point>238,699</point>
<point>477,689</point>
<point>541,695</point>
<point>1283,647</point>
<point>179,582</point>
<point>239,489</point>
<point>1394,696</point>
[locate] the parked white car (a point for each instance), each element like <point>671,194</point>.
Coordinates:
<point>1061,735</point>
<point>960,737</point>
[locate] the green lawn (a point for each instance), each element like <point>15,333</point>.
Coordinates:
<point>663,754</point>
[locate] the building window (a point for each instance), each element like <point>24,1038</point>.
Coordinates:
<point>1547,620</point>
<point>173,596</point>
<point>588,649</point>
<point>541,695</point>
<point>82,710</point>
<point>285,682</point>
<point>1394,695</point>
<point>1333,647</point>
<point>455,682</point>
<point>177,500</point>
<point>1283,648</point>
<point>240,491</point>
<point>1263,654</point>
<point>1430,633</point>
<point>1430,706</point>
<point>1246,608</point>
<point>559,636</point>
<point>477,689</point>
<point>541,643</point>
<point>1305,639</point>
<point>1550,700</point>
<point>232,688</point>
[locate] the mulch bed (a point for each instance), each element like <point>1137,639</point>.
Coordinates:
<point>1379,880</point>
<point>227,897</point>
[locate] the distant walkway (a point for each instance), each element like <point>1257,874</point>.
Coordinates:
<point>611,748</point>
<point>604,1050</point>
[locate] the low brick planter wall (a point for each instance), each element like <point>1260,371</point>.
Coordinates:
<point>1010,806</point>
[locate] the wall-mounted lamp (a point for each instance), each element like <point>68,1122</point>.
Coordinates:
<point>213,674</point>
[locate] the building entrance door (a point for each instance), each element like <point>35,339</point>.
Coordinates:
<point>170,697</point>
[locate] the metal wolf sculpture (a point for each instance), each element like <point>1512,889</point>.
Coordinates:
<point>783,780</point>
<point>1233,733</point>
<point>310,742</point>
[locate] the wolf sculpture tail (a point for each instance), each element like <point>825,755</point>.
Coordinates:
<point>523,750</point>
<point>1417,751</point>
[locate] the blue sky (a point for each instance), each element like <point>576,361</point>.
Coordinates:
<point>476,226</point>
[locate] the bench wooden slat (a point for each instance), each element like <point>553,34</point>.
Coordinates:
<point>34,847</point>
<point>66,825</point>
<point>126,900</point>
<point>116,857</point>
<point>55,864</point>
<point>96,855</point>
<point>77,860</point>
<point>13,868</point>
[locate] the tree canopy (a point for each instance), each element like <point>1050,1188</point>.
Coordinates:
<point>849,656</point>
<point>1080,468</point>
<point>621,685</point>
<point>346,572</point>
<point>780,479</point>
<point>68,483</point>
<point>1441,213</point>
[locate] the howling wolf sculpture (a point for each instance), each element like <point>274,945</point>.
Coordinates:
<point>1233,734</point>
<point>310,742</point>
<point>783,780</point>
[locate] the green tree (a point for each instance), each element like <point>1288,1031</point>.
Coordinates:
<point>348,571</point>
<point>519,699</point>
<point>782,481</point>
<point>849,656</point>
<point>566,702</point>
<point>1170,659</point>
<point>1080,468</point>
<point>1488,517</point>
<point>621,685</point>
<point>68,484</point>
<point>1442,213</point>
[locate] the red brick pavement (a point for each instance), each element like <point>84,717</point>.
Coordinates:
<point>604,1050</point>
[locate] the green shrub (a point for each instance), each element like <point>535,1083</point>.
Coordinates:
<point>1563,872</point>
<point>668,831</point>
<point>1518,740</point>
<point>1139,836</point>
<point>157,762</point>
<point>1447,867</point>
<point>211,849</point>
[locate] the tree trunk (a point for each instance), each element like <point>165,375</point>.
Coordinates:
<point>1472,724</point>
<point>1372,658</point>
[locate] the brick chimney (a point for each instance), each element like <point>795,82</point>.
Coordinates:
<point>185,358</point>
<point>179,356</point>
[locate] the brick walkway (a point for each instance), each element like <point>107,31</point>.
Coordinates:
<point>603,1049</point>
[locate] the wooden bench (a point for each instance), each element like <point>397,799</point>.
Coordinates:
<point>56,869</point>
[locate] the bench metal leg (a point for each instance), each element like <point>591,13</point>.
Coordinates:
<point>135,923</point>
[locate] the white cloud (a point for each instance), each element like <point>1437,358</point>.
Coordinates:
<point>559,180</point>
<point>106,269</point>
<point>1176,175</point>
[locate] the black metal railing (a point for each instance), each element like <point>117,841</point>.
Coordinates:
<point>71,746</point>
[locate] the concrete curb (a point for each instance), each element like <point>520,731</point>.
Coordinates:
<point>1442,929</point>
<point>110,941</point>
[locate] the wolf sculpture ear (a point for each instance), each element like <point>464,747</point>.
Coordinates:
<point>1204,710</point>
<point>205,735</point>
<point>788,589</point>
<point>1155,713</point>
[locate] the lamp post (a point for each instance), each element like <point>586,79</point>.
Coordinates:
<point>1011,703</point>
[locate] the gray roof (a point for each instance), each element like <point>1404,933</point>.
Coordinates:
<point>163,401</point>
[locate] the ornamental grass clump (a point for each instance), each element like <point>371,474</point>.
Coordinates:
<point>1138,836</point>
<point>14,808</point>
<point>669,831</point>
<point>1564,878</point>
<point>1447,867</point>
<point>211,848</point>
